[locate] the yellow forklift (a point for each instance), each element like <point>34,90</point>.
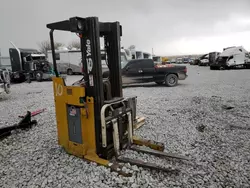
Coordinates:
<point>94,120</point>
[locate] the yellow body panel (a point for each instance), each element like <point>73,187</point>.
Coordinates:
<point>61,113</point>
<point>73,93</point>
<point>76,149</point>
<point>64,95</point>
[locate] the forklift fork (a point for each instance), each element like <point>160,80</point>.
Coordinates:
<point>155,148</point>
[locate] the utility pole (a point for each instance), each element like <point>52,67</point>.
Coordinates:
<point>152,51</point>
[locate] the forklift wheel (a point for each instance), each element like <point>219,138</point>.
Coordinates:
<point>39,76</point>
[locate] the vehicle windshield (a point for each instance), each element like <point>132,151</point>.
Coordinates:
<point>124,60</point>
<point>31,57</point>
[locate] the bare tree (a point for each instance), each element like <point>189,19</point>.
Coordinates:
<point>44,46</point>
<point>74,44</point>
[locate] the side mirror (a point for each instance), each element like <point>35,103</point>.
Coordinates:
<point>127,68</point>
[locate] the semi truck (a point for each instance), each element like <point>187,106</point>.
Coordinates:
<point>232,57</point>
<point>212,57</point>
<point>29,64</point>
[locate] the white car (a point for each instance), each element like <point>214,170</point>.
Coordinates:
<point>204,61</point>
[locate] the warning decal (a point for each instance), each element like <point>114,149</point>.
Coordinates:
<point>72,111</point>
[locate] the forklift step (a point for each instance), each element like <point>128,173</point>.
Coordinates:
<point>143,164</point>
<point>157,153</point>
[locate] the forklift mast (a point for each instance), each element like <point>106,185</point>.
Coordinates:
<point>90,30</point>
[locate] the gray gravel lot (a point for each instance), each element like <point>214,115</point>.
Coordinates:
<point>192,119</point>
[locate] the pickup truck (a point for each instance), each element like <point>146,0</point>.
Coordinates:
<point>145,70</point>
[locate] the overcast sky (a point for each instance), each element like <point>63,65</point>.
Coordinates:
<point>168,26</point>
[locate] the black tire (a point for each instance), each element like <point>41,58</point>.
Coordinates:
<point>159,82</point>
<point>222,68</point>
<point>39,76</point>
<point>247,66</point>
<point>28,79</point>
<point>171,80</point>
<point>69,72</point>
<point>214,68</point>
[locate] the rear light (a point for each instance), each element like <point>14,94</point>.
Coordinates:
<point>185,70</point>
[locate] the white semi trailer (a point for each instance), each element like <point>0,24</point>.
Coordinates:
<point>232,57</point>
<point>69,61</point>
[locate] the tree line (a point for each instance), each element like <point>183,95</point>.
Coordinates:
<point>45,45</point>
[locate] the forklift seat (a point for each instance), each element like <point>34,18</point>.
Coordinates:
<point>107,90</point>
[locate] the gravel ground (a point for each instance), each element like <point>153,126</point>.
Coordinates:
<point>205,117</point>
